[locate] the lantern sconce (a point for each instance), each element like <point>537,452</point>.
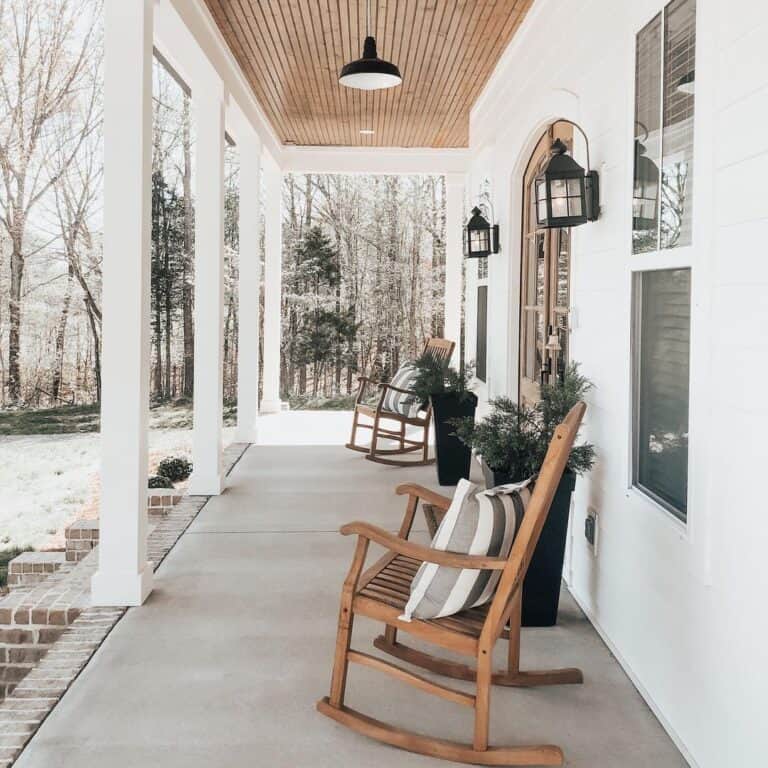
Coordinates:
<point>566,194</point>
<point>645,192</point>
<point>481,238</point>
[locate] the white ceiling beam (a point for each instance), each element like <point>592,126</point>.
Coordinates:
<point>374,160</point>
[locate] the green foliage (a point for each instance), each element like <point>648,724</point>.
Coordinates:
<point>435,377</point>
<point>514,438</point>
<point>158,481</point>
<point>508,438</point>
<point>175,468</point>
<point>319,328</point>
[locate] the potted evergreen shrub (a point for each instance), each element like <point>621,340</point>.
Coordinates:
<point>512,442</point>
<point>447,389</point>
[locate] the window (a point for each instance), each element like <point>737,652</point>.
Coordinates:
<point>665,66</point>
<point>482,333</point>
<point>661,345</point>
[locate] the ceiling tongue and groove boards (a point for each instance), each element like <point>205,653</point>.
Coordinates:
<point>291,51</point>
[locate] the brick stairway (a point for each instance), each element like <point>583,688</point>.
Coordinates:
<point>49,631</point>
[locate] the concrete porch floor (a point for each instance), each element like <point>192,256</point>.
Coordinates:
<point>224,663</point>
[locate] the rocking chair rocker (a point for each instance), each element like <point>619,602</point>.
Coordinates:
<point>440,349</point>
<point>383,589</point>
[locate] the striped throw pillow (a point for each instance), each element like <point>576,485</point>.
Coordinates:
<point>476,523</point>
<point>397,402</point>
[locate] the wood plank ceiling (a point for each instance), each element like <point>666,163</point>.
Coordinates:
<point>292,51</point>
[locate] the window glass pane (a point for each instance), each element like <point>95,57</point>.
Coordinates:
<point>661,347</point>
<point>482,332</point>
<point>647,129</point>
<point>677,163</point>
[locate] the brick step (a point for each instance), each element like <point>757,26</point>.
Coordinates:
<point>30,568</point>
<point>81,537</point>
<point>14,673</point>
<point>28,635</point>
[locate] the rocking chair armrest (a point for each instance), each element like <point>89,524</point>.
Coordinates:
<point>425,494</point>
<point>418,552</point>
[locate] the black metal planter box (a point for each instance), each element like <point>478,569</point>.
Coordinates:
<point>541,588</point>
<point>454,459</point>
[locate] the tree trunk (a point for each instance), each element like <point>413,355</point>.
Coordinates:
<point>187,290</point>
<point>58,364</point>
<point>14,321</point>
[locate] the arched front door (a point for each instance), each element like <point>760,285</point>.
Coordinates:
<point>544,283</point>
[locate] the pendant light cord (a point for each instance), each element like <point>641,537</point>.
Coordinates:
<point>368,19</point>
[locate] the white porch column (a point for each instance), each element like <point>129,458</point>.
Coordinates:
<point>273,267</point>
<point>248,288</point>
<point>454,257</point>
<point>124,576</point>
<point>208,110</point>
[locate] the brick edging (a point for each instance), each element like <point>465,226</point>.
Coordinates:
<point>35,697</point>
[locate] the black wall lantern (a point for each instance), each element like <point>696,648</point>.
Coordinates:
<point>480,237</point>
<point>566,194</point>
<point>645,192</point>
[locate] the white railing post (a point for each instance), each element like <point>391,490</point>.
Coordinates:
<point>273,266</point>
<point>249,288</point>
<point>454,257</point>
<point>124,577</point>
<point>208,111</point>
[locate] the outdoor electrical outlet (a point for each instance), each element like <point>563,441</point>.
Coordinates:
<point>590,529</point>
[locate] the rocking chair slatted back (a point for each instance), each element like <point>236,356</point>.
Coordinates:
<point>439,349</point>
<point>535,516</point>
<point>382,428</point>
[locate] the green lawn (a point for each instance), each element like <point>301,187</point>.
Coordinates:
<point>85,418</point>
<point>50,421</point>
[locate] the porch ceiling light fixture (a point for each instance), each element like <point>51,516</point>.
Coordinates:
<point>480,237</point>
<point>566,194</point>
<point>687,83</point>
<point>370,73</point>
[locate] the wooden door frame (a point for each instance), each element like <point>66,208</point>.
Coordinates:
<point>556,129</point>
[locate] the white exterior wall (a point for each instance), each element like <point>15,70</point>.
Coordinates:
<point>680,606</point>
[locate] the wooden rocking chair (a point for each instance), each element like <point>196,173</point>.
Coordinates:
<point>440,349</point>
<point>383,589</point>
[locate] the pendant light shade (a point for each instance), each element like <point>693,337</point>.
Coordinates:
<point>370,73</point>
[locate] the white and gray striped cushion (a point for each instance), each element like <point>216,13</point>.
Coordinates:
<point>397,402</point>
<point>476,523</point>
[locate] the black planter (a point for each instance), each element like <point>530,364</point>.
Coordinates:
<point>453,457</point>
<point>541,588</point>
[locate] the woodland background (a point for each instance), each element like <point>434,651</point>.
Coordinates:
<point>363,256</point>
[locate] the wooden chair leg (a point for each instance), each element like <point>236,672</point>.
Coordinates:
<point>426,442</point>
<point>374,436</point>
<point>515,618</point>
<point>353,436</point>
<point>346,618</point>
<point>482,699</point>
<point>402,435</point>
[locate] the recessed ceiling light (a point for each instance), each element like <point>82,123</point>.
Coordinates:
<point>367,131</point>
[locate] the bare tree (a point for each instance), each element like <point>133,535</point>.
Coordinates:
<point>42,72</point>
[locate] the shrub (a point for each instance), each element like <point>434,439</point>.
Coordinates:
<point>514,438</point>
<point>158,481</point>
<point>175,468</point>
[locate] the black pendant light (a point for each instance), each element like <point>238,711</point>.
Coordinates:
<point>370,73</point>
